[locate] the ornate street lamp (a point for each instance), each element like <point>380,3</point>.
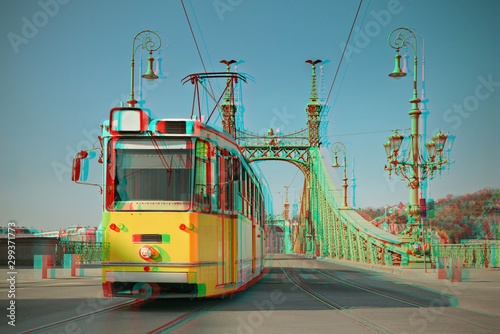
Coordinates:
<point>150,41</point>
<point>336,148</point>
<point>413,167</point>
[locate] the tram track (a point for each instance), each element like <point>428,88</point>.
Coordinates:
<point>338,279</point>
<point>292,276</point>
<point>130,305</point>
<point>183,319</point>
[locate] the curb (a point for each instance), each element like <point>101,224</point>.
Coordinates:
<point>412,273</point>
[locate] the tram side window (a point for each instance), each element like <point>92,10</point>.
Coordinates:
<point>257,217</point>
<point>213,181</point>
<point>236,182</point>
<point>220,180</point>
<point>252,198</point>
<point>244,201</point>
<point>248,197</point>
<point>229,182</point>
<point>244,193</point>
<point>239,195</point>
<point>262,210</point>
<point>205,192</point>
<point>226,181</point>
<point>256,204</point>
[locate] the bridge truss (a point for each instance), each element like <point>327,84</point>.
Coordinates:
<point>326,227</point>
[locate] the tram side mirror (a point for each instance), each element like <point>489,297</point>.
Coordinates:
<point>77,165</point>
<point>75,173</point>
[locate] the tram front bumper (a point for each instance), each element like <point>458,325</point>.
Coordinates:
<point>154,277</point>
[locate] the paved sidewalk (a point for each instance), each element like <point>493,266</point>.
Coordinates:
<point>26,275</point>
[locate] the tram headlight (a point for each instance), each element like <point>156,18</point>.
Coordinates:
<point>148,253</point>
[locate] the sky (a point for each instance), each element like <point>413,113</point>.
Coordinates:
<point>65,64</point>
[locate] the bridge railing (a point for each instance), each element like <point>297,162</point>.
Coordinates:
<point>90,252</point>
<point>485,255</point>
<point>344,234</point>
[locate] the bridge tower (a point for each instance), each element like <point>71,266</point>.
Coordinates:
<point>309,219</point>
<point>313,108</point>
<point>286,205</point>
<point>228,106</point>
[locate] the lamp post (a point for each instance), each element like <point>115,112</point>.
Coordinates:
<point>353,186</point>
<point>339,147</point>
<point>150,41</point>
<point>413,168</point>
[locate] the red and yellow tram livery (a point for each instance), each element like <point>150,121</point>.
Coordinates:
<point>183,210</point>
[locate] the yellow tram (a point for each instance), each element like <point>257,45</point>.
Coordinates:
<point>183,210</point>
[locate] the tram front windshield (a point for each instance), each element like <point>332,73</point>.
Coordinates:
<point>153,174</point>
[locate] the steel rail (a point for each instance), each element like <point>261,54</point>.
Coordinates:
<point>84,316</point>
<point>182,319</point>
<point>185,318</point>
<point>330,303</point>
<point>399,299</point>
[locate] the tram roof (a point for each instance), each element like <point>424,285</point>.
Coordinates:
<point>136,122</point>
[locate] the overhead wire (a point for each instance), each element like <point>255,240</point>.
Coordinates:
<point>343,52</point>
<point>203,40</point>
<point>196,43</point>
<point>298,170</point>
<point>350,56</point>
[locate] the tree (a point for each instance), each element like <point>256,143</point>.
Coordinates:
<point>469,216</point>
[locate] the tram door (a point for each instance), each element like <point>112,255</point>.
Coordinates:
<point>226,273</point>
<point>225,256</point>
<point>253,248</point>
